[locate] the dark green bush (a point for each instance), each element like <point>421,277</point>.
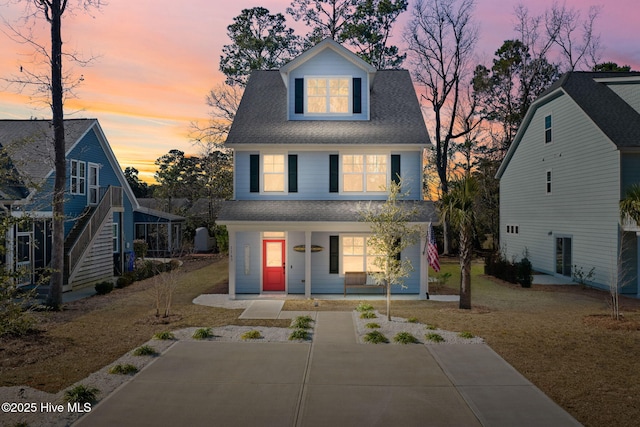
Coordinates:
<point>126,279</point>
<point>525,273</point>
<point>104,288</point>
<point>513,272</point>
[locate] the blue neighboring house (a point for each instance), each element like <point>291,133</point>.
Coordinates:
<point>99,204</point>
<point>313,142</point>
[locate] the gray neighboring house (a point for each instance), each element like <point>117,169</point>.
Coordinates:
<point>313,142</point>
<point>574,156</point>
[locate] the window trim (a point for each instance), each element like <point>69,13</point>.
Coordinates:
<point>284,173</point>
<point>341,251</point>
<point>115,238</point>
<point>548,130</point>
<point>81,189</point>
<point>549,181</point>
<point>342,173</point>
<point>327,78</point>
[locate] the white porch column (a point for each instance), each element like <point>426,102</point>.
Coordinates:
<point>307,264</point>
<point>424,267</point>
<point>232,263</point>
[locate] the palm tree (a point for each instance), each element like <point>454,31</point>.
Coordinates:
<point>458,207</point>
<point>630,205</point>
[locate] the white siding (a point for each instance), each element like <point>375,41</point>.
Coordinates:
<point>98,263</point>
<point>584,199</point>
<point>628,92</point>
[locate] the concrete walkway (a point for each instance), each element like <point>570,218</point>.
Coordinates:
<point>333,381</point>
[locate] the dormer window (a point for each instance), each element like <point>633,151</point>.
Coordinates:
<point>328,95</point>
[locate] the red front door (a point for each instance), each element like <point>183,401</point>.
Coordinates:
<point>273,265</point>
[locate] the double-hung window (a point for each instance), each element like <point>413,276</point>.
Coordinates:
<point>273,172</point>
<point>328,95</point>
<point>548,137</point>
<point>78,177</point>
<point>364,172</point>
<point>357,254</point>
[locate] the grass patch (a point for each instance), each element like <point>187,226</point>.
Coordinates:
<point>299,334</point>
<point>372,325</point>
<point>433,337</point>
<point>202,334</point>
<point>405,338</point>
<point>368,315</point>
<point>466,334</point>
<point>375,337</point>
<point>412,320</point>
<point>145,350</point>
<point>164,335</point>
<point>301,322</point>
<point>362,307</point>
<point>251,335</point>
<point>81,394</point>
<point>126,369</point>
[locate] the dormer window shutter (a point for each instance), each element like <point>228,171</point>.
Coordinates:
<point>299,96</point>
<point>395,168</point>
<point>357,95</point>
<point>293,173</point>
<point>333,173</point>
<point>254,173</point>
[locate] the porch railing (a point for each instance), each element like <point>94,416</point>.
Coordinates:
<point>630,225</point>
<point>111,198</point>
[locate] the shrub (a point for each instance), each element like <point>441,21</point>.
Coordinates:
<point>465,334</point>
<point>525,272</point>
<point>299,334</point>
<point>140,248</point>
<point>251,335</point>
<point>104,288</point>
<point>372,325</point>
<point>375,337</point>
<point>362,307</point>
<point>145,350</point>
<point>81,394</point>
<point>202,333</point>
<point>430,327</point>
<point>368,315</point>
<point>165,335</point>
<point>301,322</point>
<point>412,320</point>
<point>434,337</point>
<point>123,369</point>
<point>126,279</point>
<point>405,338</point>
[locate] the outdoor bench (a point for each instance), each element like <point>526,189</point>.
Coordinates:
<point>358,279</point>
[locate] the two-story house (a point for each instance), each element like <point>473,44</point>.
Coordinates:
<point>99,204</point>
<point>574,156</point>
<point>313,141</point>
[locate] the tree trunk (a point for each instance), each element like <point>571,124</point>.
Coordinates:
<point>466,253</point>
<point>54,298</point>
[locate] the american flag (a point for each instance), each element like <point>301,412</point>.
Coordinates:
<point>432,250</point>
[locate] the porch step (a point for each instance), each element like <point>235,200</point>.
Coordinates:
<point>263,309</point>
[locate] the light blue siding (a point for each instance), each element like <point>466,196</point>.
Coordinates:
<point>313,178</point>
<point>248,282</point>
<point>328,63</point>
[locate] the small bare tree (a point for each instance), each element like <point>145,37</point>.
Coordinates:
<point>164,286</point>
<point>392,233</point>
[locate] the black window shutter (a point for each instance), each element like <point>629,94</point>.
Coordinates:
<point>333,173</point>
<point>299,96</point>
<point>395,168</point>
<point>293,173</point>
<point>357,95</point>
<point>334,255</point>
<point>254,174</point>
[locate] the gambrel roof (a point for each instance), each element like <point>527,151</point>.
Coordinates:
<point>618,120</point>
<point>395,117</point>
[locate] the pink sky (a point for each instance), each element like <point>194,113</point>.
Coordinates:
<point>157,59</point>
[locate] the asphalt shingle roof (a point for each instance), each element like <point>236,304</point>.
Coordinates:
<point>395,115</point>
<point>615,117</point>
<point>29,145</point>
<point>312,210</point>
